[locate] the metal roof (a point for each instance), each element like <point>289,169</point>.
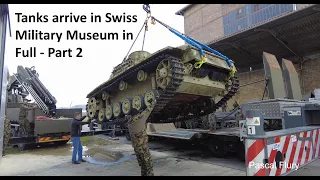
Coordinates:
<point>183,10</point>
<point>290,36</point>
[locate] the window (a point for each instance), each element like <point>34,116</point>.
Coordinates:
<point>239,14</point>
<point>256,7</point>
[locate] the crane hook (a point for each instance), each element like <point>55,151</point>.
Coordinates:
<point>146,8</point>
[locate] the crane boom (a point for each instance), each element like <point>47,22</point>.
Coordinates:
<point>26,82</point>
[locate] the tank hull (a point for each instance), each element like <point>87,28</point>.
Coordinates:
<point>167,78</point>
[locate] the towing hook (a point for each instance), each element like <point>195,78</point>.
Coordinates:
<point>146,8</point>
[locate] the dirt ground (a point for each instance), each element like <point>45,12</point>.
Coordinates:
<point>116,157</point>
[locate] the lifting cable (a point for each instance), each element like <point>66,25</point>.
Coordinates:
<point>200,46</point>
<point>145,31</point>
<point>145,26</point>
<point>192,42</point>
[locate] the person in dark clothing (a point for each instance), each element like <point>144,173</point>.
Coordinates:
<point>76,125</point>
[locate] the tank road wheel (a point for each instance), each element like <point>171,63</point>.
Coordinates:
<point>91,110</point>
<point>109,112</point>
<point>101,115</point>
<point>105,96</point>
<point>138,102</point>
<point>117,109</point>
<point>127,106</point>
<point>150,97</point>
<point>163,74</point>
<point>142,76</point>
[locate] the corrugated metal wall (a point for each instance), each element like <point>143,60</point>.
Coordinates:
<point>3,81</point>
<point>252,14</point>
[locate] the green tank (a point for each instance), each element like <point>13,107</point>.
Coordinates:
<point>167,78</point>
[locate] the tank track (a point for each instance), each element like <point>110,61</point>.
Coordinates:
<point>231,92</point>
<point>168,93</point>
<point>164,95</point>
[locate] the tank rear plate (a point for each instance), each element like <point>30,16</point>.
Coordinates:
<point>211,59</point>
<point>200,86</point>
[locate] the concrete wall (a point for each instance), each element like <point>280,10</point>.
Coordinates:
<point>204,22</point>
<point>309,77</point>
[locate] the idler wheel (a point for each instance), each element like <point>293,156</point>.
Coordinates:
<point>109,112</point>
<point>138,102</point>
<point>101,115</point>
<point>127,106</point>
<point>150,97</point>
<point>164,73</point>
<point>117,109</point>
<point>92,101</point>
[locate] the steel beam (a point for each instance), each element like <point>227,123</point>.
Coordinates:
<point>278,38</point>
<point>238,47</point>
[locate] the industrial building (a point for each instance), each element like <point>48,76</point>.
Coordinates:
<point>243,31</point>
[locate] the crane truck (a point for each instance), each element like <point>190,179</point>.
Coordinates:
<point>47,123</point>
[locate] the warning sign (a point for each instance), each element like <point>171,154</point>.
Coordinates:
<point>276,146</point>
<point>294,113</point>
<point>293,138</point>
<point>253,121</point>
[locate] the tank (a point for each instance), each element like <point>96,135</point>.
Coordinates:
<point>167,83</point>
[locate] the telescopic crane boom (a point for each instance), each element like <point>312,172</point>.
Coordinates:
<point>26,82</point>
